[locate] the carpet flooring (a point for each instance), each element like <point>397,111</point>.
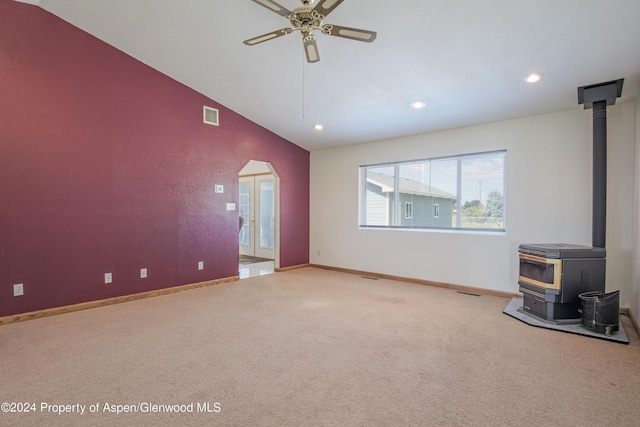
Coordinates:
<point>312,347</point>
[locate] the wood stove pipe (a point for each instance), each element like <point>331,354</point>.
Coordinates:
<point>598,97</point>
<point>599,213</point>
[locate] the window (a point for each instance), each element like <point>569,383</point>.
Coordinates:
<point>408,210</point>
<point>465,192</point>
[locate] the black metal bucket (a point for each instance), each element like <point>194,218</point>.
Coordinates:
<point>601,311</point>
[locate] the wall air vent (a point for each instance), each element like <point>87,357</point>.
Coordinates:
<point>211,116</point>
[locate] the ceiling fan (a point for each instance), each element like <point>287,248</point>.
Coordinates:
<point>307,19</point>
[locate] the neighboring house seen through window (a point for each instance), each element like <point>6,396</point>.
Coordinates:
<point>458,192</point>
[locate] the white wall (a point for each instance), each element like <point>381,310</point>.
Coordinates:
<point>549,164</point>
<point>635,289</point>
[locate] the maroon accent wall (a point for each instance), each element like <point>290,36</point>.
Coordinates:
<point>106,166</point>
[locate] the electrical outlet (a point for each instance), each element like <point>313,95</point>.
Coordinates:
<point>330,254</point>
<point>318,252</point>
<point>108,278</point>
<point>200,265</point>
<point>18,289</point>
<point>143,273</point>
<point>413,262</point>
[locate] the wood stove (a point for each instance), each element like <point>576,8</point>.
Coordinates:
<point>552,275</point>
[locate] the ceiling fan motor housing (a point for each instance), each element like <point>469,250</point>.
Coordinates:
<point>306,19</point>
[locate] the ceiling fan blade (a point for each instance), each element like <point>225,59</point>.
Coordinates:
<point>269,36</point>
<point>349,33</point>
<point>311,49</point>
<point>325,7</point>
<point>273,6</point>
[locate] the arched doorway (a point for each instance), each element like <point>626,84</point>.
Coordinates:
<point>259,208</point>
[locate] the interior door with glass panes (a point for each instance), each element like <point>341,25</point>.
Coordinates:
<point>257,208</point>
<point>245,208</point>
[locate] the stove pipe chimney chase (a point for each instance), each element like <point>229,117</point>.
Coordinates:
<point>597,97</point>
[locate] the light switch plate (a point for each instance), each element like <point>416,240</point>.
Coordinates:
<point>200,265</point>
<point>18,289</point>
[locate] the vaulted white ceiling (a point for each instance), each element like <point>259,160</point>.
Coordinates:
<point>465,58</point>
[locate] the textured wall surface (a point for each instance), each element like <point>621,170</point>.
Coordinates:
<point>106,166</point>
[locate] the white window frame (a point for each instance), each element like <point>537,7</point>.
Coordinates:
<point>408,210</point>
<point>394,221</point>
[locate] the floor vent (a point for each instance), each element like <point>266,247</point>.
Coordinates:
<point>211,116</point>
<point>469,293</point>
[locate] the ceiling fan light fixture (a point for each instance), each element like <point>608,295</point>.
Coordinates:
<point>418,105</point>
<point>533,78</point>
<point>307,19</point>
<point>318,126</point>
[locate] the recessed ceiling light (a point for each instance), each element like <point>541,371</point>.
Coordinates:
<point>318,126</point>
<point>533,78</point>
<point>418,104</point>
